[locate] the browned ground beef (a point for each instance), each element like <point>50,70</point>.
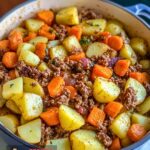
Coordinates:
<point>3,74</point>
<point>147,87</point>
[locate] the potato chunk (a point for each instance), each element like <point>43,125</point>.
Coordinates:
<point>96,49</point>
<point>68,16</point>
<point>139,89</point>
<point>32,86</point>
<point>43,66</point>
<point>139,46</point>
<point>74,119</point>
<point>61,144</point>
<point>31,131</point>
<point>58,51</point>
<point>2,100</point>
<point>120,125</point>
<point>31,106</point>
<point>10,121</point>
<point>105,91</point>
<point>33,25</point>
<point>13,89</point>
<point>38,39</point>
<point>85,140</point>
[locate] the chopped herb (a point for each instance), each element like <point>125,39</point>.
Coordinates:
<point>11,85</point>
<point>85,41</point>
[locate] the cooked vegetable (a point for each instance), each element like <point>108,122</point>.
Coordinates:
<point>113,109</point>
<point>104,37</point>
<point>43,66</point>
<point>139,46</point>
<point>100,71</point>
<point>2,100</point>
<point>50,116</point>
<point>13,107</point>
<point>105,91</point>
<point>10,121</point>
<point>71,43</point>
<point>53,43</point>
<point>85,140</point>
<point>68,16</point>
<point>4,45</point>
<point>72,90</point>
<point>136,132</point>
<point>96,117</point>
<point>10,59</point>
<point>93,26</point>
<point>58,51</point>
<point>145,63</point>
<point>13,89</point>
<point>139,89</point>
<point>40,50</point>
<point>31,106</point>
<point>121,67</point>
<point>74,119</point>
<point>115,144</point>
<point>126,141</point>
<point>38,39</point>
<point>13,74</point>
<point>32,86</point>
<point>128,53</point>
<point>31,131</point>
<point>61,144</point>
<point>96,49</point>
<point>33,25</point>
<point>23,31</point>
<point>77,57</point>
<point>120,125</point>
<point>30,36</point>
<point>23,121</point>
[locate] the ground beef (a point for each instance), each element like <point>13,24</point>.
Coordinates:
<point>147,87</point>
<point>75,50</point>
<point>104,60</point>
<point>3,74</point>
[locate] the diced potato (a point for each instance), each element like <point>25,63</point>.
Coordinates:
<point>31,131</point>
<point>53,43</point>
<point>29,58</point>
<point>74,119</point>
<point>33,25</point>
<point>38,39</point>
<point>23,121</point>
<point>32,86</point>
<point>105,91</point>
<point>10,121</point>
<point>141,119</point>
<point>145,106</point>
<point>126,142</point>
<point>140,91</point>
<point>96,49</point>
<point>61,144</point>
<point>120,125</point>
<point>2,100</point>
<point>114,27</point>
<point>85,140</point>
<point>58,51</point>
<point>145,63</point>
<point>94,26</point>
<point>22,30</point>
<point>31,106</point>
<point>25,47</point>
<point>68,16</point>
<point>139,46</point>
<point>13,107</point>
<point>128,53</point>
<point>13,89</point>
<point>70,43</point>
<point>43,66</point>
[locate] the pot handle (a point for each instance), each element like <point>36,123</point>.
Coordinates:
<point>141,10</point>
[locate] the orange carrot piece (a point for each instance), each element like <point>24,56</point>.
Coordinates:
<point>46,15</point>
<point>96,116</point>
<point>76,31</point>
<point>77,57</point>
<point>136,132</point>
<point>113,108</point>
<point>104,36</point>
<point>115,144</point>
<point>55,86</point>
<point>115,42</point>
<point>30,36</point>
<point>15,38</point>
<point>13,74</point>
<point>50,117</point>
<point>121,67</point>
<point>10,59</point>
<point>40,50</point>
<point>101,71</point>
<point>73,91</point>
<point>4,45</point>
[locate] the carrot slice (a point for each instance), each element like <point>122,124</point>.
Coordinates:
<point>104,36</point>
<point>13,74</point>
<point>136,132</point>
<point>77,57</point>
<point>10,59</point>
<point>30,36</point>
<point>50,117</point>
<point>96,116</point>
<point>4,45</point>
<point>115,42</point>
<point>121,67</point>
<point>73,91</point>
<point>41,50</point>
<point>101,71</point>
<point>55,87</point>
<point>115,144</point>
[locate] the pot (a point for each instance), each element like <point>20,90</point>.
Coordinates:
<point>133,24</point>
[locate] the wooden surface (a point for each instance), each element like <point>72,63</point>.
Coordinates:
<point>6,5</point>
